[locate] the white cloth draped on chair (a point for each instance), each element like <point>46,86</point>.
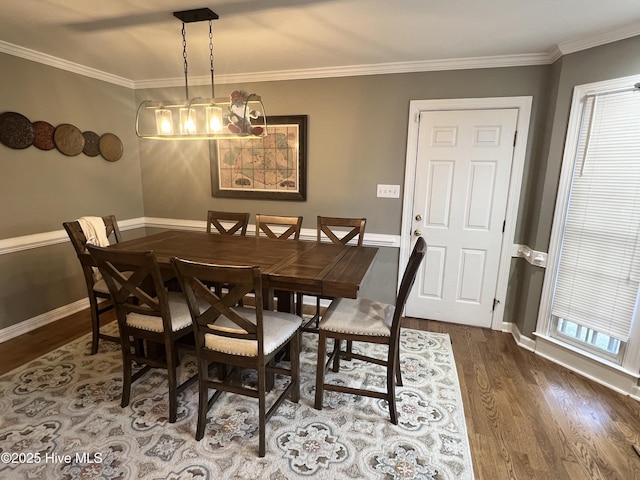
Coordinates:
<point>94,230</point>
<point>96,234</point>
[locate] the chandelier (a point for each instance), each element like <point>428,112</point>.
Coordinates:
<point>239,116</point>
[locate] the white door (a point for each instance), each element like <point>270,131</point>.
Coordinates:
<point>462,177</point>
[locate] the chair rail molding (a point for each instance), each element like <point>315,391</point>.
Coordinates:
<point>44,239</point>
<point>534,257</point>
<point>37,240</point>
<point>370,239</point>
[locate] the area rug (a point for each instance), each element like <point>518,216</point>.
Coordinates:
<point>61,419</point>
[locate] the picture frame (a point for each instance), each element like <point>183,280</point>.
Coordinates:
<point>273,167</point>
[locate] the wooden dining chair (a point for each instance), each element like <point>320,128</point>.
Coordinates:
<point>146,312</point>
<point>340,231</point>
<point>98,293</point>
<point>234,222</point>
<point>287,228</point>
<point>365,320</point>
<point>238,337</point>
<point>215,219</point>
<point>291,225</point>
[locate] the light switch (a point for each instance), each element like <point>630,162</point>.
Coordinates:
<point>388,191</point>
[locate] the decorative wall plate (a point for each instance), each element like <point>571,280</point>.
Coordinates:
<point>111,147</point>
<point>91,144</point>
<point>16,131</point>
<point>43,132</point>
<point>69,139</point>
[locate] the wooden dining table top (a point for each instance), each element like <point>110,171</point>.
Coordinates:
<point>314,268</point>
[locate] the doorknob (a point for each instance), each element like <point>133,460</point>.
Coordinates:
<point>417,232</point>
<point>418,217</point>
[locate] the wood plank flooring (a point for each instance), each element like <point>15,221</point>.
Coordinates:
<point>527,418</point>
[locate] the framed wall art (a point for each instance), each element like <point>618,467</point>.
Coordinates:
<point>271,167</point>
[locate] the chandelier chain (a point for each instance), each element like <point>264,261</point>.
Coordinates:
<point>184,56</point>
<point>211,55</point>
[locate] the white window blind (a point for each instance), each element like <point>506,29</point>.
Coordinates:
<point>597,281</point>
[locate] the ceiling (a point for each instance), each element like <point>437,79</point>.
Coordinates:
<point>139,41</point>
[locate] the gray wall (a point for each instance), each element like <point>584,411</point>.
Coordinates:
<point>357,134</point>
<point>619,59</point>
<point>357,139</point>
<point>42,189</point>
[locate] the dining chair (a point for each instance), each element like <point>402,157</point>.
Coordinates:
<point>233,222</point>
<point>98,293</point>
<point>264,224</point>
<point>146,312</point>
<point>340,231</point>
<point>238,337</point>
<point>240,222</point>
<point>365,320</point>
<point>288,228</point>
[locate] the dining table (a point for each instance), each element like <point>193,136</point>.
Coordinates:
<point>302,266</point>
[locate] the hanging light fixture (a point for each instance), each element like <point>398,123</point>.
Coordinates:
<point>239,116</point>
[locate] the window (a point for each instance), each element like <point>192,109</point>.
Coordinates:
<point>586,338</point>
<point>596,271</point>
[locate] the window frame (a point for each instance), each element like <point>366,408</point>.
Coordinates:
<point>630,352</point>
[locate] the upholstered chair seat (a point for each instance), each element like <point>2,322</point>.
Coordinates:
<point>363,320</point>
<point>360,316</point>
<point>180,317</point>
<point>281,326</point>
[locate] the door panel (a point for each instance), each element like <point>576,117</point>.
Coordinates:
<point>462,177</point>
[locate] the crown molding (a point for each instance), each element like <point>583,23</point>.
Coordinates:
<point>499,61</point>
<point>357,70</point>
<point>602,39</point>
<point>554,54</point>
<point>296,74</point>
<point>34,56</point>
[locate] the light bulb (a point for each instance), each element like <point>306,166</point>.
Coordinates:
<point>164,122</point>
<point>214,119</point>
<point>187,120</point>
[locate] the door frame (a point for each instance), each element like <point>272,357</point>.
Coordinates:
<point>508,249</point>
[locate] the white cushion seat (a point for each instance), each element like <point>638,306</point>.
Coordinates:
<point>278,328</point>
<point>179,312</point>
<point>100,285</point>
<point>359,316</point>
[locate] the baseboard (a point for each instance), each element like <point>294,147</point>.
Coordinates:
<point>521,340</point>
<point>42,320</point>
<point>613,377</point>
<point>44,239</point>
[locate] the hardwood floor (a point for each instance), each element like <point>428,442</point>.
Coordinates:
<point>31,345</point>
<point>527,418</point>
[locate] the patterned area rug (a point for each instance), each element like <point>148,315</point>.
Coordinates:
<point>61,419</point>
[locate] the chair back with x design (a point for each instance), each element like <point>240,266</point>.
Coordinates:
<point>340,235</point>
<point>227,223</point>
<point>231,336</point>
<point>146,311</point>
<point>264,224</point>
